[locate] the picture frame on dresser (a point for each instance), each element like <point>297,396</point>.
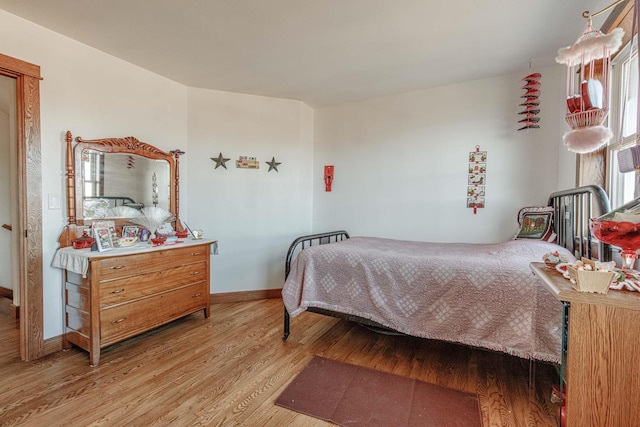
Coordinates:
<point>103,239</point>
<point>130,231</point>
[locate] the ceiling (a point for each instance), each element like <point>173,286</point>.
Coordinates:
<point>322,52</point>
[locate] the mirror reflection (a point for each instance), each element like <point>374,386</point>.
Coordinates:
<point>119,179</point>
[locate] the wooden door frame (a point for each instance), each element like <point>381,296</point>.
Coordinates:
<point>29,225</point>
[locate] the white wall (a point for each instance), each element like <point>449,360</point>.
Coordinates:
<point>401,161</point>
<point>94,95</point>
<point>255,214</point>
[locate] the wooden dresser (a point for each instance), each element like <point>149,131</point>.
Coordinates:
<point>127,292</point>
<point>601,352</point>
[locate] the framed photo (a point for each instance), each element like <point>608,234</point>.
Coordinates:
<point>104,224</point>
<point>110,225</point>
<point>103,239</point>
<point>130,231</point>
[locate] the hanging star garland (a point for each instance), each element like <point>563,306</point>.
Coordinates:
<point>273,164</point>
<point>220,161</point>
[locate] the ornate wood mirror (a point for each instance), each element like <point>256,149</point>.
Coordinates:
<point>103,174</point>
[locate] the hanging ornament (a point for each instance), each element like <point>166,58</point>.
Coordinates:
<point>587,92</point>
<point>531,102</point>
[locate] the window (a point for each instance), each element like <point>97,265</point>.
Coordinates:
<point>92,173</point>
<point>624,104</point>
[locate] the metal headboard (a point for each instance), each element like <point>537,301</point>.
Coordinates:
<point>572,211</point>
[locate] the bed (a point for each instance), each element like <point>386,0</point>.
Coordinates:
<point>482,295</point>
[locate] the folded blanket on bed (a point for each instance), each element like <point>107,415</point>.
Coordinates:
<point>482,295</point>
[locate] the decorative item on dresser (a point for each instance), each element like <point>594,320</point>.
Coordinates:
<point>111,296</point>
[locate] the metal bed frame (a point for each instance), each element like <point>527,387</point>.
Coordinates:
<point>572,211</point>
<point>117,200</point>
<point>298,245</point>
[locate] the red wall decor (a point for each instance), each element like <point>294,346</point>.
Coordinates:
<point>531,102</point>
<point>328,177</point>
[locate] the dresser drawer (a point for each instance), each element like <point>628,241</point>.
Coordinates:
<point>125,320</point>
<point>134,265</point>
<point>117,291</point>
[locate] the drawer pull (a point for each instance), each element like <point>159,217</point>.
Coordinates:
<point>196,295</point>
<point>119,320</point>
<point>195,273</point>
<point>195,253</point>
<point>117,292</point>
<point>118,267</point>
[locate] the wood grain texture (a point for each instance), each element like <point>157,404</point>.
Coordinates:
<point>29,181</point>
<point>127,294</point>
<point>602,353</point>
<point>32,303</point>
<point>602,361</point>
<point>591,168</point>
<point>71,176</point>
<point>228,370</point>
<point>16,67</point>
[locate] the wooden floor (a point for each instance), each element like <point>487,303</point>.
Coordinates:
<point>228,370</point>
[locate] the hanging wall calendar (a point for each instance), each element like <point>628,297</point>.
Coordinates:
<point>477,179</point>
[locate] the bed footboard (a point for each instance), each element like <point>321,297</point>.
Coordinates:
<point>299,244</point>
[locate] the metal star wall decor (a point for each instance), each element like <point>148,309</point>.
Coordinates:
<point>220,161</point>
<point>273,164</point>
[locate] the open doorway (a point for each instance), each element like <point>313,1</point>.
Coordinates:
<point>28,224</point>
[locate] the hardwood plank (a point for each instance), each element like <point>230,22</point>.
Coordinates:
<point>229,369</point>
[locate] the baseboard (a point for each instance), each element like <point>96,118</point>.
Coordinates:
<point>52,345</point>
<point>6,293</point>
<point>16,311</point>
<point>242,296</point>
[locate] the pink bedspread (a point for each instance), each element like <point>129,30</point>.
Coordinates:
<point>482,295</point>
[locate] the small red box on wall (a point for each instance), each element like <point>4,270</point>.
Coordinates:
<point>328,177</point>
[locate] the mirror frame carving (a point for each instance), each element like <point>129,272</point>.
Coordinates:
<point>127,145</point>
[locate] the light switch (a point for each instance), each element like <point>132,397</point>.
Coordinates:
<point>54,201</point>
